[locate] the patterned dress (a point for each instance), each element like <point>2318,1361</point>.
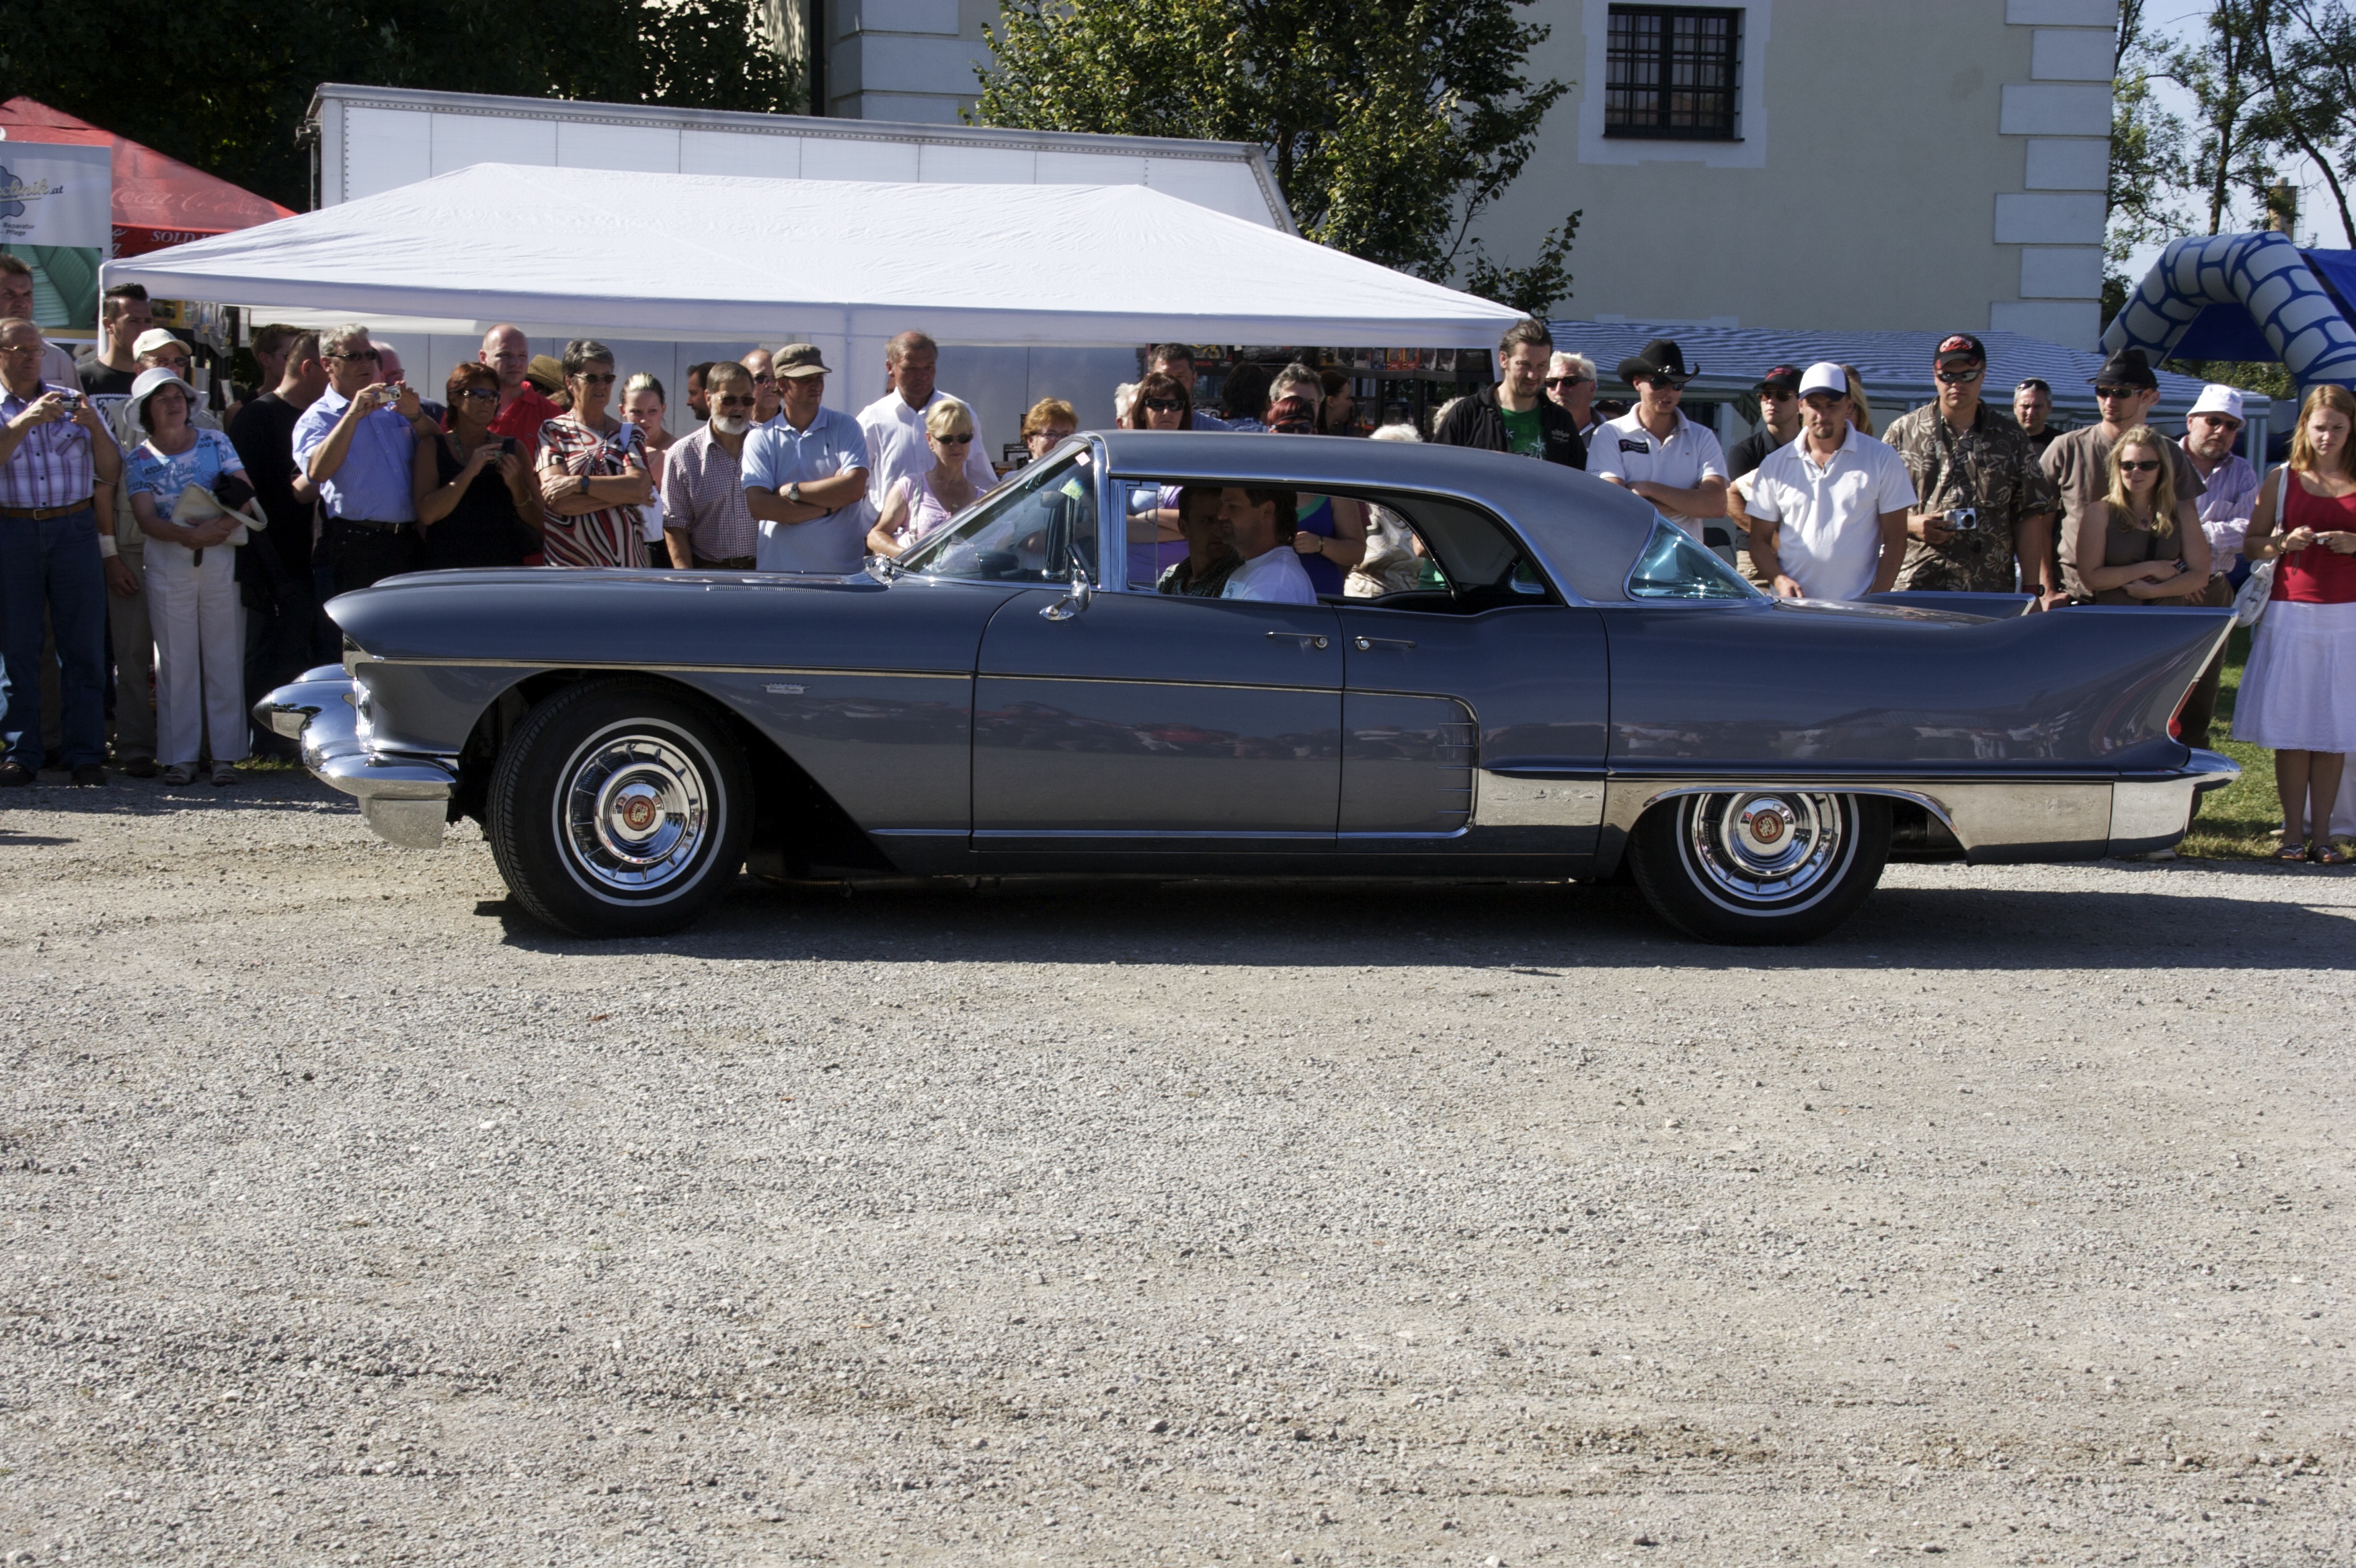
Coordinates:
<point>610,537</point>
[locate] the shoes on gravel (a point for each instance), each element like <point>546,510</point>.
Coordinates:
<point>176,774</point>
<point>14,775</point>
<point>224,776</point>
<point>89,774</point>
<point>139,767</point>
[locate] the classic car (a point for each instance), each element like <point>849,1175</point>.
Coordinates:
<point>1568,688</point>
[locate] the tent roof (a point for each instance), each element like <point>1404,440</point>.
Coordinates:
<point>157,200</point>
<point>702,256</point>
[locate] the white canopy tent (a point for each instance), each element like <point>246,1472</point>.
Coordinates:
<point>844,265</point>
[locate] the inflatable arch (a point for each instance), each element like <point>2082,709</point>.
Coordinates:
<point>2266,275</point>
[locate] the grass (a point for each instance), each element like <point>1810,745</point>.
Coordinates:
<point>2238,821</point>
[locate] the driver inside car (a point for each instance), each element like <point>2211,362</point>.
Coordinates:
<point>1262,520</point>
<point>1211,557</point>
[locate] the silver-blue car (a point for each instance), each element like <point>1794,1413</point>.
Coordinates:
<point>1563,686</point>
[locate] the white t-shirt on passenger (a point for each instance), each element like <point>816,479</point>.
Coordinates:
<point>1276,578</point>
<point>1828,517</point>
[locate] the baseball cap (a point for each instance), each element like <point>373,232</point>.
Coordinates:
<point>1292,410</point>
<point>798,359</point>
<point>156,337</point>
<point>1960,344</point>
<point>1783,377</point>
<point>1825,376</point>
<point>2215,399</point>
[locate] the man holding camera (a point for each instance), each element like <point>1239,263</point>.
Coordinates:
<point>1985,503</point>
<point>355,443</point>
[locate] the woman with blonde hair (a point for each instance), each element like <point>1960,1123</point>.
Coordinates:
<point>2298,692</point>
<point>2142,543</point>
<point>918,505</point>
<point>1861,412</point>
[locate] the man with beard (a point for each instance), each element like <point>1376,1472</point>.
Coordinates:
<point>705,521</point>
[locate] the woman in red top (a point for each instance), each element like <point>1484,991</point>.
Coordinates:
<point>2298,693</point>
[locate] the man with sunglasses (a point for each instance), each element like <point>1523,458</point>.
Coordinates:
<point>805,478</point>
<point>355,443</point>
<point>705,521</point>
<point>1655,451</point>
<point>2077,462</point>
<point>768,393</point>
<point>1570,387</point>
<point>1515,415</point>
<point>1828,512</point>
<point>1986,518</point>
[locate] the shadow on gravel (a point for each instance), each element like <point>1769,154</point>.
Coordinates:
<point>126,797</point>
<point>2207,922</point>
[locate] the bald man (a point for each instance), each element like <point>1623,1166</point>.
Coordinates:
<point>768,396</point>
<point>522,409</point>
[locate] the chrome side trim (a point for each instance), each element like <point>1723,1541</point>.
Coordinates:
<point>1519,801</point>
<point>640,665</point>
<point>1190,834</point>
<point>1997,821</point>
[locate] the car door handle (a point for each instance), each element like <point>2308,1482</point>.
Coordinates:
<point>1308,639</point>
<point>1369,644</point>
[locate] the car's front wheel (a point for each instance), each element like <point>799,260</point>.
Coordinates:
<point>1760,865</point>
<point>619,807</point>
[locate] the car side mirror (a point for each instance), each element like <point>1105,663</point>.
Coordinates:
<point>1076,598</point>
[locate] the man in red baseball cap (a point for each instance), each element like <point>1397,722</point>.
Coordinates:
<point>1984,520</point>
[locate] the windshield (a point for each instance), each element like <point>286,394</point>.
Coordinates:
<point>1032,528</point>
<point>1674,564</point>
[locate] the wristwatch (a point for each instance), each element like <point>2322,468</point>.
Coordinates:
<point>794,492</point>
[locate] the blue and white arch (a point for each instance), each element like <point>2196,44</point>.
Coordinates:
<point>2264,275</point>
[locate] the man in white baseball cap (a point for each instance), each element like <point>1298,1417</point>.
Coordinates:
<point>1829,511</point>
<point>2210,429</point>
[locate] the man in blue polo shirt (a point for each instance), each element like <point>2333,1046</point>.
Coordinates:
<point>805,475</point>
<point>355,443</point>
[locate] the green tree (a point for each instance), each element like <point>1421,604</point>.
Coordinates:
<point>2308,58</point>
<point>2223,68</point>
<point>224,87</point>
<point>2147,158</point>
<point>1392,125</point>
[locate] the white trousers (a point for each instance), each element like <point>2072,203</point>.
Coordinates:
<point>199,652</point>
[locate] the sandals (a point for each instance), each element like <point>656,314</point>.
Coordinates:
<point>179,775</point>
<point>2328,853</point>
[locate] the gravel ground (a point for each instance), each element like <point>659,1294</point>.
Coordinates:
<point>350,1218</point>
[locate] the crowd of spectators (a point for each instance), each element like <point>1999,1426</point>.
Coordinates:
<point>221,537</point>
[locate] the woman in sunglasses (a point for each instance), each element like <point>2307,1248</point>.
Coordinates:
<point>2147,540</point>
<point>917,506</point>
<point>477,503</point>
<point>593,470</point>
<point>1155,543</point>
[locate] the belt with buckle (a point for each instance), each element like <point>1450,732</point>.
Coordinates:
<point>371,524</point>
<point>724,563</point>
<point>43,513</point>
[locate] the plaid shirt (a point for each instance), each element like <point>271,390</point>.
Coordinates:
<point>703,495</point>
<point>51,465</point>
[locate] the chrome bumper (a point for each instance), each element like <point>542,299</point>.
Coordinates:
<point>2153,811</point>
<point>405,797</point>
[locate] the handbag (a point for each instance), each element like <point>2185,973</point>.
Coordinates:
<point>2257,590</point>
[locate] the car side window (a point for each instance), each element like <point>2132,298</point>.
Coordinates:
<point>1034,528</point>
<point>1674,564</point>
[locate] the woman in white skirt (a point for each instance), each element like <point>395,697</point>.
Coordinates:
<point>2298,692</point>
<point>191,575</point>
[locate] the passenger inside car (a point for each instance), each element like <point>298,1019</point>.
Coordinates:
<point>1211,557</point>
<point>1261,520</point>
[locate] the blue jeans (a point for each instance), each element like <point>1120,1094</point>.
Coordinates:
<point>52,565</point>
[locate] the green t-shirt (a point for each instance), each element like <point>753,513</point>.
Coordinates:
<point>1524,437</point>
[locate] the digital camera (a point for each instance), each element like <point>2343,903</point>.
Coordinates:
<point>1963,519</point>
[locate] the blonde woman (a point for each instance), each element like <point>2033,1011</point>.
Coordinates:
<point>2298,693</point>
<point>2142,543</point>
<point>919,505</point>
<point>1861,412</point>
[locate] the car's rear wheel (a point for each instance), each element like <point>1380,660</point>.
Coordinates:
<point>619,807</point>
<point>1760,865</point>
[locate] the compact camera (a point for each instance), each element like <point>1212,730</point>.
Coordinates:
<point>1963,519</point>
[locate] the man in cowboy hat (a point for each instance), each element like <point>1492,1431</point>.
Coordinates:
<point>1515,415</point>
<point>1655,450</point>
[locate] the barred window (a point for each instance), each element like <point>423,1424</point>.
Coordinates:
<point>1673,72</point>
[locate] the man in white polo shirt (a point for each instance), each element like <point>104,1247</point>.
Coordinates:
<point>1829,511</point>
<point>1261,521</point>
<point>1655,450</point>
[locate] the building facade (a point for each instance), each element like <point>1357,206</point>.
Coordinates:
<point>1841,165</point>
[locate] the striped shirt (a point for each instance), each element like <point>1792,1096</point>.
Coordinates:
<point>2226,507</point>
<point>703,496</point>
<point>51,465</point>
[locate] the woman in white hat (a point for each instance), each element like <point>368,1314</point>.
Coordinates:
<point>192,576</point>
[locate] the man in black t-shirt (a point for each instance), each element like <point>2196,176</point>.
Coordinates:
<point>282,624</point>
<point>123,318</point>
<point>1779,407</point>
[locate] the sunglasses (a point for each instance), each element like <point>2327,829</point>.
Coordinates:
<point>2139,466</point>
<point>733,402</point>
<point>1775,394</point>
<point>2117,391</point>
<point>764,377</point>
<point>1960,378</point>
<point>1825,400</point>
<point>363,354</point>
<point>1163,404</point>
<point>597,381</point>
<point>1566,380</point>
<point>964,440</point>
<point>473,394</point>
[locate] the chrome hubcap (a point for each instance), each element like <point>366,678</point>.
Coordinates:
<point>634,810</point>
<point>1767,848</point>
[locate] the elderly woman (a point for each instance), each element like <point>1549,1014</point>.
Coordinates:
<point>643,405</point>
<point>918,505</point>
<point>191,578</point>
<point>1049,426</point>
<point>594,474</point>
<point>477,503</point>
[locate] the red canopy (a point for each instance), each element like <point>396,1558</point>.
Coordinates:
<point>158,201</point>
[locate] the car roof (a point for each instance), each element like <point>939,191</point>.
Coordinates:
<point>1585,532</point>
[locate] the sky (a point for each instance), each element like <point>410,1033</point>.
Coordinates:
<point>2318,220</point>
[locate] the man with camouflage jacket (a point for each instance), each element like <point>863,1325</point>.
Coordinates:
<point>1986,503</point>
